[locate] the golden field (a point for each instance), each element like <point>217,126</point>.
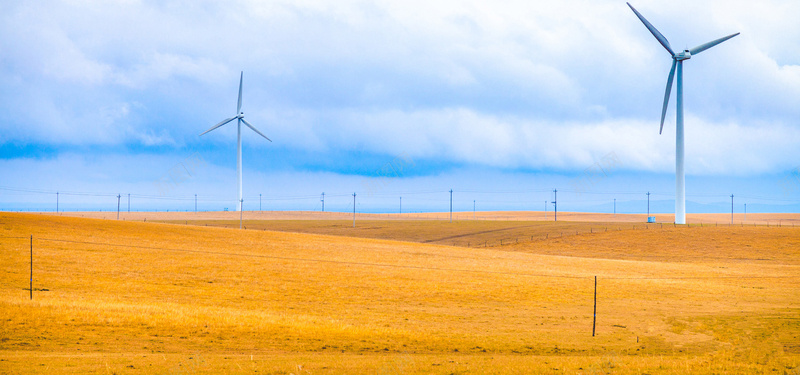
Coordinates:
<point>308,295</point>
<point>773,219</point>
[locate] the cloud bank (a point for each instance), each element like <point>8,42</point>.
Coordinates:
<point>509,85</point>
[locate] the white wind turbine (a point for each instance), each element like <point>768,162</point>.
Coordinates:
<point>239,116</point>
<point>677,61</point>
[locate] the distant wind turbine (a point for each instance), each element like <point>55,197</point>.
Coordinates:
<point>677,61</point>
<point>240,117</point>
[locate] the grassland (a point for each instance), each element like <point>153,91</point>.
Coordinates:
<point>766,219</point>
<point>395,296</point>
<point>458,233</point>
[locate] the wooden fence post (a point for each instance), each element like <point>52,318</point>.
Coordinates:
<point>594,319</point>
<point>31,266</point>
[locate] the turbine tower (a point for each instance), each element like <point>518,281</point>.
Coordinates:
<point>677,64</point>
<point>240,117</point>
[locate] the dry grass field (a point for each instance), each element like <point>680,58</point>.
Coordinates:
<point>394,296</point>
<point>772,219</point>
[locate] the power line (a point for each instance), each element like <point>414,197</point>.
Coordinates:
<point>419,196</point>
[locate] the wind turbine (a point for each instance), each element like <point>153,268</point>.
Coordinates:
<point>240,117</point>
<point>677,62</point>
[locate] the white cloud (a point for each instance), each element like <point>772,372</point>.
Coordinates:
<point>461,135</point>
<point>509,84</point>
<point>162,67</point>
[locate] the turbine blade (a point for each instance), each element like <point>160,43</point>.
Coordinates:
<point>218,125</point>
<point>708,45</point>
<point>254,129</point>
<point>666,94</point>
<point>661,39</point>
<point>239,103</point>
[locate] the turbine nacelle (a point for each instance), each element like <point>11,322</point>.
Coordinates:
<point>685,55</point>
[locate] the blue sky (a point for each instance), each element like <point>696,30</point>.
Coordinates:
<point>500,101</point>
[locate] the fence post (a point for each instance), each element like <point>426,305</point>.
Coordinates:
<point>594,319</point>
<point>31,267</point>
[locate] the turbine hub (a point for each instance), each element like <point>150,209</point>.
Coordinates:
<point>685,55</point>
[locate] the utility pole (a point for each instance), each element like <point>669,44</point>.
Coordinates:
<point>195,203</point>
<point>401,205</point>
<point>555,203</point>
<point>648,205</point>
<point>259,202</point>
<point>354,210</point>
<point>323,201</point>
<point>473,209</point>
<point>56,202</point>
<point>545,210</point>
<point>129,202</point>
<point>731,209</point>
<point>745,212</point>
<point>615,207</point>
<point>451,205</point>
<point>118,197</point>
<point>241,212</point>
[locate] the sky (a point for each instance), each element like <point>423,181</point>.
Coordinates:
<point>500,101</point>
